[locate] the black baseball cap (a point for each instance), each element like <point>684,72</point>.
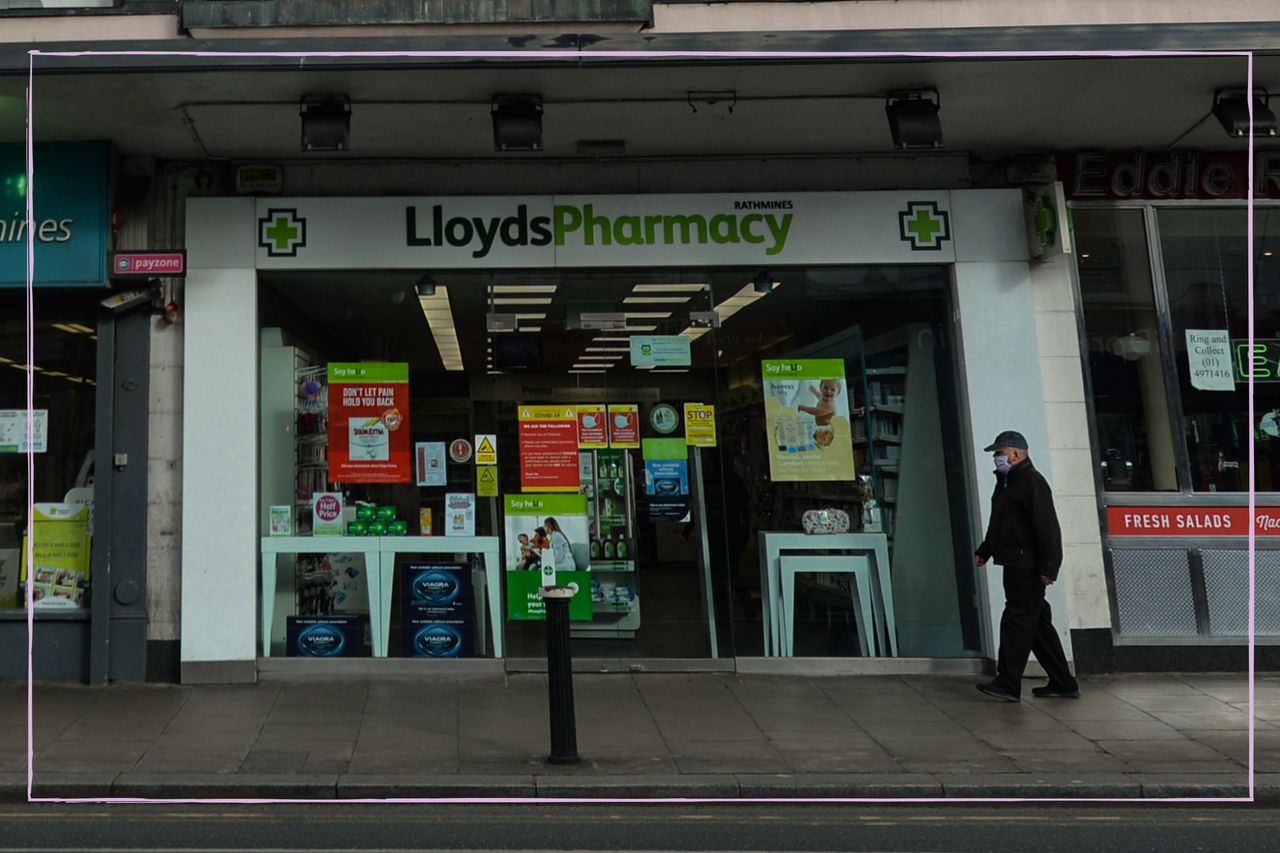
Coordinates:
<point>1008,438</point>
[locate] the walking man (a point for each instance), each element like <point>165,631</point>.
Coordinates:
<point>1024,538</point>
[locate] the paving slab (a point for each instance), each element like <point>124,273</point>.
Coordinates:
<point>701,786</point>
<point>838,785</point>
<point>434,786</point>
<point>1192,785</point>
<point>225,786</point>
<point>1036,785</point>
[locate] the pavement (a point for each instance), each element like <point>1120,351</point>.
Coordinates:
<point>643,735</point>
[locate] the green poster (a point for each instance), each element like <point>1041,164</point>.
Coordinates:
<point>807,420</point>
<point>546,532</point>
<point>524,603</point>
<point>60,551</point>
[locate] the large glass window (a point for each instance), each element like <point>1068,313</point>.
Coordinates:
<point>1206,258</point>
<point>1135,451</point>
<point>65,360</point>
<point>665,537</point>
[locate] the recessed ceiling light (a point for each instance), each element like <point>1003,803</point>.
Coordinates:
<point>523,288</point>
<point>541,316</point>
<point>654,300</point>
<point>522,300</point>
<point>646,315</point>
<point>669,288</point>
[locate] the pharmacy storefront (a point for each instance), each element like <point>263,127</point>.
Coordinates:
<point>744,427</point>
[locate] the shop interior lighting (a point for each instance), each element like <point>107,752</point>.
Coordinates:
<point>1231,108</point>
<point>608,349</point>
<point>646,315</point>
<point>541,316</point>
<point>669,288</point>
<point>607,340</point>
<point>744,297</point>
<point>913,119</point>
<point>326,123</point>
<point>72,328</point>
<point>439,314</point>
<point>523,288</point>
<point>656,300</point>
<point>522,300</point>
<point>640,328</point>
<point>531,328</point>
<point>517,122</point>
<point>576,370</point>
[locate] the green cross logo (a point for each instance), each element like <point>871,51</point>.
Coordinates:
<point>924,225</point>
<point>282,232</point>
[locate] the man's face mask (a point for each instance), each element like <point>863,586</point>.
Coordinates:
<point>1002,463</point>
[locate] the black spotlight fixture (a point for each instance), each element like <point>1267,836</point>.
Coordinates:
<point>426,285</point>
<point>517,122</point>
<point>1231,108</point>
<point>326,123</point>
<point>913,119</point>
<point>763,282</point>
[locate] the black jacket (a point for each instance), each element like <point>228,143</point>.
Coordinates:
<point>1024,530</point>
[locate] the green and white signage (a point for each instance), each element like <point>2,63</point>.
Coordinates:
<point>593,231</point>
<point>547,543</point>
<point>660,351</point>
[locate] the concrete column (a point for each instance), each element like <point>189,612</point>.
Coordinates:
<point>219,440</point>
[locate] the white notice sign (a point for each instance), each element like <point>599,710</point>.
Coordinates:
<point>1209,359</point>
<point>13,431</point>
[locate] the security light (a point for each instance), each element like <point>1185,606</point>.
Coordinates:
<point>517,122</point>
<point>913,119</point>
<point>763,282</point>
<point>326,123</point>
<point>1231,108</point>
<point>426,285</point>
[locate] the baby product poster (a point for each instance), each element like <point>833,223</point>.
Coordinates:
<point>369,423</point>
<point>807,418</point>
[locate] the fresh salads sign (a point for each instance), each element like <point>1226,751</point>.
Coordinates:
<point>369,422</point>
<point>578,231</point>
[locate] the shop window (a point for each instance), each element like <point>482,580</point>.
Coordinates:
<point>1206,256</point>
<point>1135,450</point>
<point>65,353</point>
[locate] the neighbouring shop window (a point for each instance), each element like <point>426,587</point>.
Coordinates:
<point>1206,258</point>
<point>1135,451</point>
<point>65,359</point>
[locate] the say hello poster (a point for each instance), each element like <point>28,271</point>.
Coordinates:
<point>807,419</point>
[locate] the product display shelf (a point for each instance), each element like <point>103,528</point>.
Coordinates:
<point>311,439</point>
<point>886,386</point>
<point>611,523</point>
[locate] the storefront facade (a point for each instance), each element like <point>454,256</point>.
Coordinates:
<point>1162,263</point>
<point>520,319</point>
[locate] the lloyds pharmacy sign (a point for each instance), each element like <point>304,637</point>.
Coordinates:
<point>578,231</point>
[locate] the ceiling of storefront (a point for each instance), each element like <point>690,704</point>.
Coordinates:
<point>781,107</point>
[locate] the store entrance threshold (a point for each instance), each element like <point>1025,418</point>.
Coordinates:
<point>304,669</point>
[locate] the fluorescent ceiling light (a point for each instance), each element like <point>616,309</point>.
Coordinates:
<point>669,288</point>
<point>608,349</point>
<point>531,328</point>
<point>541,316</point>
<point>80,327</point>
<point>654,300</point>
<point>640,328</point>
<point>586,371</point>
<point>522,300</point>
<point>523,288</point>
<point>69,328</point>
<point>439,314</point>
<point>4,360</point>
<point>695,332</point>
<point>612,340</point>
<point>597,357</point>
<point>646,315</point>
<point>671,370</point>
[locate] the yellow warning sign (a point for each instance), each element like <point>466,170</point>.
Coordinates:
<point>487,481</point>
<point>486,449</point>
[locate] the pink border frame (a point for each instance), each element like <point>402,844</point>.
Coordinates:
<point>624,54</point>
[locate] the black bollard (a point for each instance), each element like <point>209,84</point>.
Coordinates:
<point>564,726</point>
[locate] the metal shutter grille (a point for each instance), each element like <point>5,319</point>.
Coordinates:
<point>1226,581</point>
<point>1153,593</point>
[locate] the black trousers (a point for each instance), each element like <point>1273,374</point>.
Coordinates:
<point>1025,628</point>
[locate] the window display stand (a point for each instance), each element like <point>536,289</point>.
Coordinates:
<point>380,553</point>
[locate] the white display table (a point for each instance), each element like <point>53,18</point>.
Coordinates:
<point>772,545</point>
<point>379,553</point>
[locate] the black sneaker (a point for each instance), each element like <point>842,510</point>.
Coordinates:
<point>995,691</point>
<point>1049,691</point>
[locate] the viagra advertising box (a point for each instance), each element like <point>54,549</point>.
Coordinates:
<point>330,636</point>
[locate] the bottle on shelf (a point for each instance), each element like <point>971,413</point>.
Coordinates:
<point>621,549</point>
<point>595,548</point>
<point>608,548</point>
